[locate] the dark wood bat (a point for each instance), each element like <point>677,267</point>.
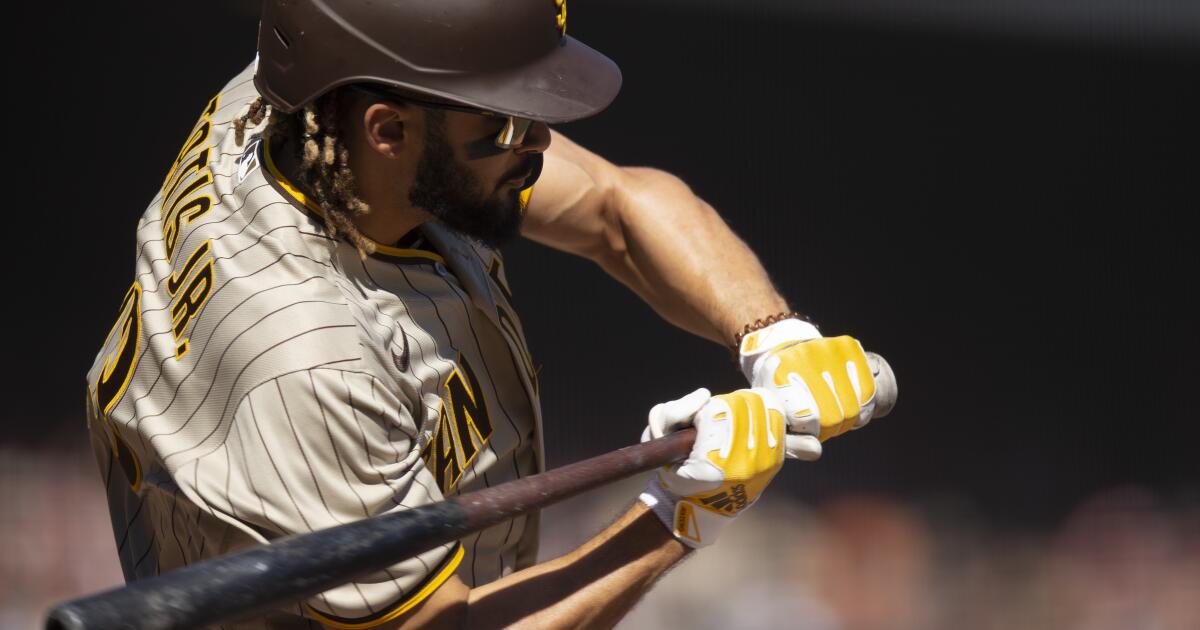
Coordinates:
<point>289,569</point>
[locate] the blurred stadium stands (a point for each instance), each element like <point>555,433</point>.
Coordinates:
<point>1125,559</point>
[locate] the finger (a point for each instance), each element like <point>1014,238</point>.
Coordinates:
<point>860,370</point>
<point>672,416</point>
<point>847,398</point>
<point>699,470</point>
<point>803,447</point>
<point>865,415</point>
<point>686,407</point>
<point>829,408</point>
<point>776,425</point>
<point>799,409</point>
<point>774,416</point>
<point>714,437</point>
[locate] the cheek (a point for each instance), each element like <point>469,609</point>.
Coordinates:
<point>474,142</point>
<point>491,171</point>
<point>481,147</point>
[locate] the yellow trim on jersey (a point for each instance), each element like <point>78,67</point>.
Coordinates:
<point>304,200</point>
<point>407,253</point>
<point>420,596</point>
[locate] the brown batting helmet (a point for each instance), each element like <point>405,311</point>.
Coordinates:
<point>507,56</point>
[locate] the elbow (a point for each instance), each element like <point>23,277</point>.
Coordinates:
<point>647,183</point>
<point>634,201</point>
<point>649,195</point>
<point>623,197</point>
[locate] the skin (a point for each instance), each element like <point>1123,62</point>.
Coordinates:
<point>648,230</point>
<point>591,587</point>
<point>644,227</point>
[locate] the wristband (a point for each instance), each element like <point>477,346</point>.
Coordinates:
<point>755,344</point>
<point>767,322</point>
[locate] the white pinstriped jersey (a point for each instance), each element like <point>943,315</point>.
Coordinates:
<point>263,380</point>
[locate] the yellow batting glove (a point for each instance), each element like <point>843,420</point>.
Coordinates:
<point>739,447</point>
<point>824,383</point>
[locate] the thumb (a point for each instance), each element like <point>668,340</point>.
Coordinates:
<point>671,416</point>
<point>694,476</point>
<point>803,447</point>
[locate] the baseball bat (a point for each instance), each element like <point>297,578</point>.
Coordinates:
<point>289,569</point>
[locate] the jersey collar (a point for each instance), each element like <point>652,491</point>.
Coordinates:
<point>303,200</point>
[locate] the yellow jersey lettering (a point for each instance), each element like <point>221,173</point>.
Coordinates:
<point>118,365</point>
<point>189,303</point>
<point>195,166</point>
<point>172,224</point>
<point>190,166</point>
<point>177,279</point>
<point>441,454</point>
<point>464,427</point>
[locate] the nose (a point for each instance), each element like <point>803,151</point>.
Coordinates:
<point>537,139</point>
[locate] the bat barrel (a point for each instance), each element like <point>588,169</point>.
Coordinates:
<point>268,577</point>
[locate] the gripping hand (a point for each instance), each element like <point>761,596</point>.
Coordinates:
<point>824,383</point>
<point>738,449</point>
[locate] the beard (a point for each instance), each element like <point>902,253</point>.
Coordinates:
<point>455,197</point>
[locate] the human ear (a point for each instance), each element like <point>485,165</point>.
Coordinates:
<point>387,129</point>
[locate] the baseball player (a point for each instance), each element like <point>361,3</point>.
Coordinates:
<point>319,328</point>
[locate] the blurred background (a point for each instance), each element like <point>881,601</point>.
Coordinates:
<point>993,195</point>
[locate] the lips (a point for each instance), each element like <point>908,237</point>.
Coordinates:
<point>525,174</point>
<point>520,179</point>
<point>531,173</point>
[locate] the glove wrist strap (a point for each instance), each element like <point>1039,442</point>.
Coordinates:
<point>754,346</point>
<point>693,526</point>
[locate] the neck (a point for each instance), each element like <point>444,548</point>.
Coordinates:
<point>387,224</point>
<point>387,221</point>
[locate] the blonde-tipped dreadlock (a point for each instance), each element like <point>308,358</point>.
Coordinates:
<point>324,161</point>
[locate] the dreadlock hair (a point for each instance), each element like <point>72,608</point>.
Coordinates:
<point>324,160</point>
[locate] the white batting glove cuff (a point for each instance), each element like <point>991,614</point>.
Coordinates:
<point>691,526</point>
<point>756,345</point>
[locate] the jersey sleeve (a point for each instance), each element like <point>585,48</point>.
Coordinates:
<point>322,447</point>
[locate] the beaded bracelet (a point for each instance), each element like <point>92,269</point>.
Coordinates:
<point>760,324</point>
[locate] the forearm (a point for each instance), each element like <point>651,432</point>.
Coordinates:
<point>675,251</point>
<point>647,229</point>
<point>591,587</point>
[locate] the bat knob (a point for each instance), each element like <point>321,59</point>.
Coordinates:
<point>886,389</point>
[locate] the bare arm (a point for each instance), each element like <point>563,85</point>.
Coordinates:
<point>591,587</point>
<point>647,229</point>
